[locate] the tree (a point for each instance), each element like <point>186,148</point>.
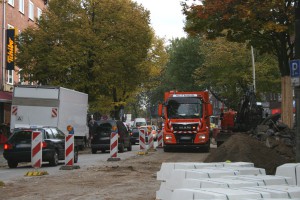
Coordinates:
<point>266,25</point>
<point>97,47</point>
<point>227,71</point>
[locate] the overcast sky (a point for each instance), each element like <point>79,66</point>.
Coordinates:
<point>166,17</point>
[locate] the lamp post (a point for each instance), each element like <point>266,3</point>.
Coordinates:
<point>297,89</point>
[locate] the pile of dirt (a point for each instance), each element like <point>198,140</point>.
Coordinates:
<point>244,148</point>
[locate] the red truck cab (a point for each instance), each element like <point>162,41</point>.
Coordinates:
<point>186,120</point>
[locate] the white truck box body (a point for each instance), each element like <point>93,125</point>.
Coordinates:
<point>50,106</point>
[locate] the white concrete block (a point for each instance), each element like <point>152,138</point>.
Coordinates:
<point>264,180</point>
<point>290,170</point>
<point>246,170</point>
<point>238,164</point>
<point>216,183</point>
<point>213,193</point>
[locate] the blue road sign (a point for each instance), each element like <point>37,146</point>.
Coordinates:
<point>295,68</point>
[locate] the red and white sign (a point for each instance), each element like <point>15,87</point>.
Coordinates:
<point>69,150</point>
<point>36,149</point>
<point>114,145</point>
<point>150,141</point>
<point>54,112</point>
<point>14,110</point>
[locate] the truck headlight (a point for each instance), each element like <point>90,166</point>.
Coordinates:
<point>202,136</point>
<point>169,137</point>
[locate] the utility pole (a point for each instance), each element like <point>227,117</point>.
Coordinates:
<point>297,88</point>
<point>253,69</point>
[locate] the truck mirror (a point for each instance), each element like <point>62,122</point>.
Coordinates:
<point>209,110</point>
<point>160,109</point>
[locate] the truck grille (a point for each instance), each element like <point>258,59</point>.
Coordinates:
<point>185,128</point>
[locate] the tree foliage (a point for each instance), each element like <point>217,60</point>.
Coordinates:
<point>227,70</point>
<point>266,25</point>
<point>97,47</point>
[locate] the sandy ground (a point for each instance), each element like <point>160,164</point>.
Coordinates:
<point>133,178</point>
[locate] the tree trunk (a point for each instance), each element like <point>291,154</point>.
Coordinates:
<point>287,101</point>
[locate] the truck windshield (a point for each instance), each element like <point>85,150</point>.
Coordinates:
<point>184,107</point>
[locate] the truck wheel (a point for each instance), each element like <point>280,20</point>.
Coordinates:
<point>94,151</point>
<point>54,160</point>
<point>76,155</point>
<point>166,149</point>
<point>12,164</point>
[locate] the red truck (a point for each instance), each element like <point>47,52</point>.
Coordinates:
<point>186,120</point>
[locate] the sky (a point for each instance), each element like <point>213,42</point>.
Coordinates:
<point>166,17</point>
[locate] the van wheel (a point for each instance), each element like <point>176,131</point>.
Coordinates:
<point>54,160</point>
<point>76,155</point>
<point>12,164</point>
<point>121,148</point>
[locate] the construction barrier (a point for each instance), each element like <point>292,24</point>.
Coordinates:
<point>36,149</point>
<point>113,147</point>
<point>160,139</point>
<point>69,150</point>
<point>151,142</point>
<point>142,142</point>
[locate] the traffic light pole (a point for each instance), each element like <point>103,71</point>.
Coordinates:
<point>297,88</point>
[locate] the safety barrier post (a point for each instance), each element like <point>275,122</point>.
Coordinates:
<point>69,150</point>
<point>36,149</point>
<point>142,142</point>
<point>113,147</point>
<point>160,139</point>
<point>36,154</point>
<point>151,142</point>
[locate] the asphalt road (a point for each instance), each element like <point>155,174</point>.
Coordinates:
<point>86,159</point>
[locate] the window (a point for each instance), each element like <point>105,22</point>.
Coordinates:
<point>21,6</point>
<point>11,2</point>
<point>10,79</point>
<point>31,10</point>
<point>39,13</point>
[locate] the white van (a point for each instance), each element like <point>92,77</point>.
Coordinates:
<point>139,122</point>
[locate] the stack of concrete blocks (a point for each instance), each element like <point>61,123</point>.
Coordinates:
<point>228,181</point>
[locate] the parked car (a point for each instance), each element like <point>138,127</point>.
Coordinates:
<point>101,132</point>
<point>17,149</point>
<point>134,135</point>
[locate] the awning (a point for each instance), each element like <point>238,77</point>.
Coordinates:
<point>5,97</point>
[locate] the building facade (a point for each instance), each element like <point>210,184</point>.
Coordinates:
<point>18,15</point>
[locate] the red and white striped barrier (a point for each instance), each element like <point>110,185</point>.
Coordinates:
<point>142,140</point>
<point>36,149</point>
<point>150,141</point>
<point>69,150</point>
<point>114,145</point>
<point>160,139</point>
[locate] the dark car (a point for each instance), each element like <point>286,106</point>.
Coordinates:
<point>17,149</point>
<point>101,132</point>
<point>134,135</point>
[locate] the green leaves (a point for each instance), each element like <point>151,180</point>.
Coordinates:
<point>97,47</point>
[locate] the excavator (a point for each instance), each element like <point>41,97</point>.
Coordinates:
<point>247,117</point>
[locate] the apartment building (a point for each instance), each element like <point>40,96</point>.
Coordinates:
<point>18,15</point>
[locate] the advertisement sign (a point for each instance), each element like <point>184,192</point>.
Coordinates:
<point>10,49</point>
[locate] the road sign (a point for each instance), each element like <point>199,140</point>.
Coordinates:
<point>295,68</point>
<point>295,72</point>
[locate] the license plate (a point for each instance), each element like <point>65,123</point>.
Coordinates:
<point>23,146</point>
<point>185,137</point>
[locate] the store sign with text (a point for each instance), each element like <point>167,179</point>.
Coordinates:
<point>10,49</point>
